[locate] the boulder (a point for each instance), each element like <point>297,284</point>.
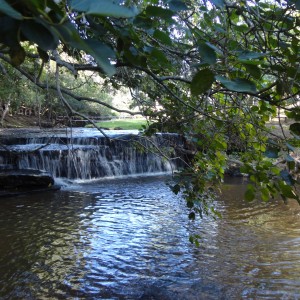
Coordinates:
<point>28,179</point>
<point>18,182</point>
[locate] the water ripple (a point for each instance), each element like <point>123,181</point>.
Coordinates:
<point>128,239</point>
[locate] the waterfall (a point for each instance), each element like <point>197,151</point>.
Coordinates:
<point>87,154</point>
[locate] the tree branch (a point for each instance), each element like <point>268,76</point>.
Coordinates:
<point>65,91</point>
<point>68,106</point>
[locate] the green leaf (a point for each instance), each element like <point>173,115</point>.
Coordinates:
<point>250,193</point>
<point>286,176</point>
<point>289,158</point>
<point>157,11</point>
<point>290,147</point>
<point>102,8</point>
<point>279,88</point>
<point>143,22</point>
<point>252,62</point>
<point>36,5</point>
<point>265,195</point>
<point>37,33</point>
<point>101,54</point>
<point>159,57</point>
<point>292,72</point>
<point>287,191</point>
<point>271,153</point>
<point>99,51</point>
<point>43,54</point>
<point>177,5</point>
<point>10,11</point>
<point>216,49</point>
<point>202,81</point>
<point>162,37</point>
<point>248,55</point>
<point>192,216</point>
<point>294,114</point>
<point>216,213</point>
<point>295,128</point>
<point>253,70</point>
<point>238,84</point>
<point>129,56</point>
<point>17,55</point>
<point>176,189</point>
<point>242,28</point>
<point>218,3</point>
<point>194,239</point>
<point>69,34</point>
<point>291,165</point>
<point>190,204</point>
<point>297,2</point>
<point>207,53</point>
<point>9,31</point>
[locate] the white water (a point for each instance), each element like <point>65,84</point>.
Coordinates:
<point>86,154</point>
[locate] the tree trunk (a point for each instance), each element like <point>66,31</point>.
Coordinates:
<point>5,111</point>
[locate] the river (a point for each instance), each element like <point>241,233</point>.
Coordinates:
<point>128,239</point>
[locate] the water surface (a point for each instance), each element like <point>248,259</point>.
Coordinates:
<point>128,239</point>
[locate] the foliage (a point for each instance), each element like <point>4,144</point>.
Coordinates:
<point>214,71</point>
<point>15,91</point>
<point>22,92</point>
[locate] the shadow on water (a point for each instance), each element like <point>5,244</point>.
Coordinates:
<point>128,239</point>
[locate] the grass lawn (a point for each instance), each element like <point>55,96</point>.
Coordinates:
<point>125,124</point>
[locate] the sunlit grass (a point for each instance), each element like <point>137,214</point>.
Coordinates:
<point>125,124</point>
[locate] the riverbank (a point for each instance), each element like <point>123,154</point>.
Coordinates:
<point>20,121</point>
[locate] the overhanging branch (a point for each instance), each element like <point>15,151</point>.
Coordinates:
<point>45,86</point>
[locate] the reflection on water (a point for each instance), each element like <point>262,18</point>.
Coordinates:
<point>128,239</point>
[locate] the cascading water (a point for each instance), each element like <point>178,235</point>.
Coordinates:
<point>87,154</point>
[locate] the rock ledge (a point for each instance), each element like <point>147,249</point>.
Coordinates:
<point>16,182</point>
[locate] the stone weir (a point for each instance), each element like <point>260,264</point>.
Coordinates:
<point>87,154</point>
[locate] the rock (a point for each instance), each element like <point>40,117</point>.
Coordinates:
<point>18,182</point>
<point>28,179</point>
<point>5,167</point>
<point>233,171</point>
<point>46,124</point>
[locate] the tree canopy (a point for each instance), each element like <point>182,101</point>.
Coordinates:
<point>216,72</point>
